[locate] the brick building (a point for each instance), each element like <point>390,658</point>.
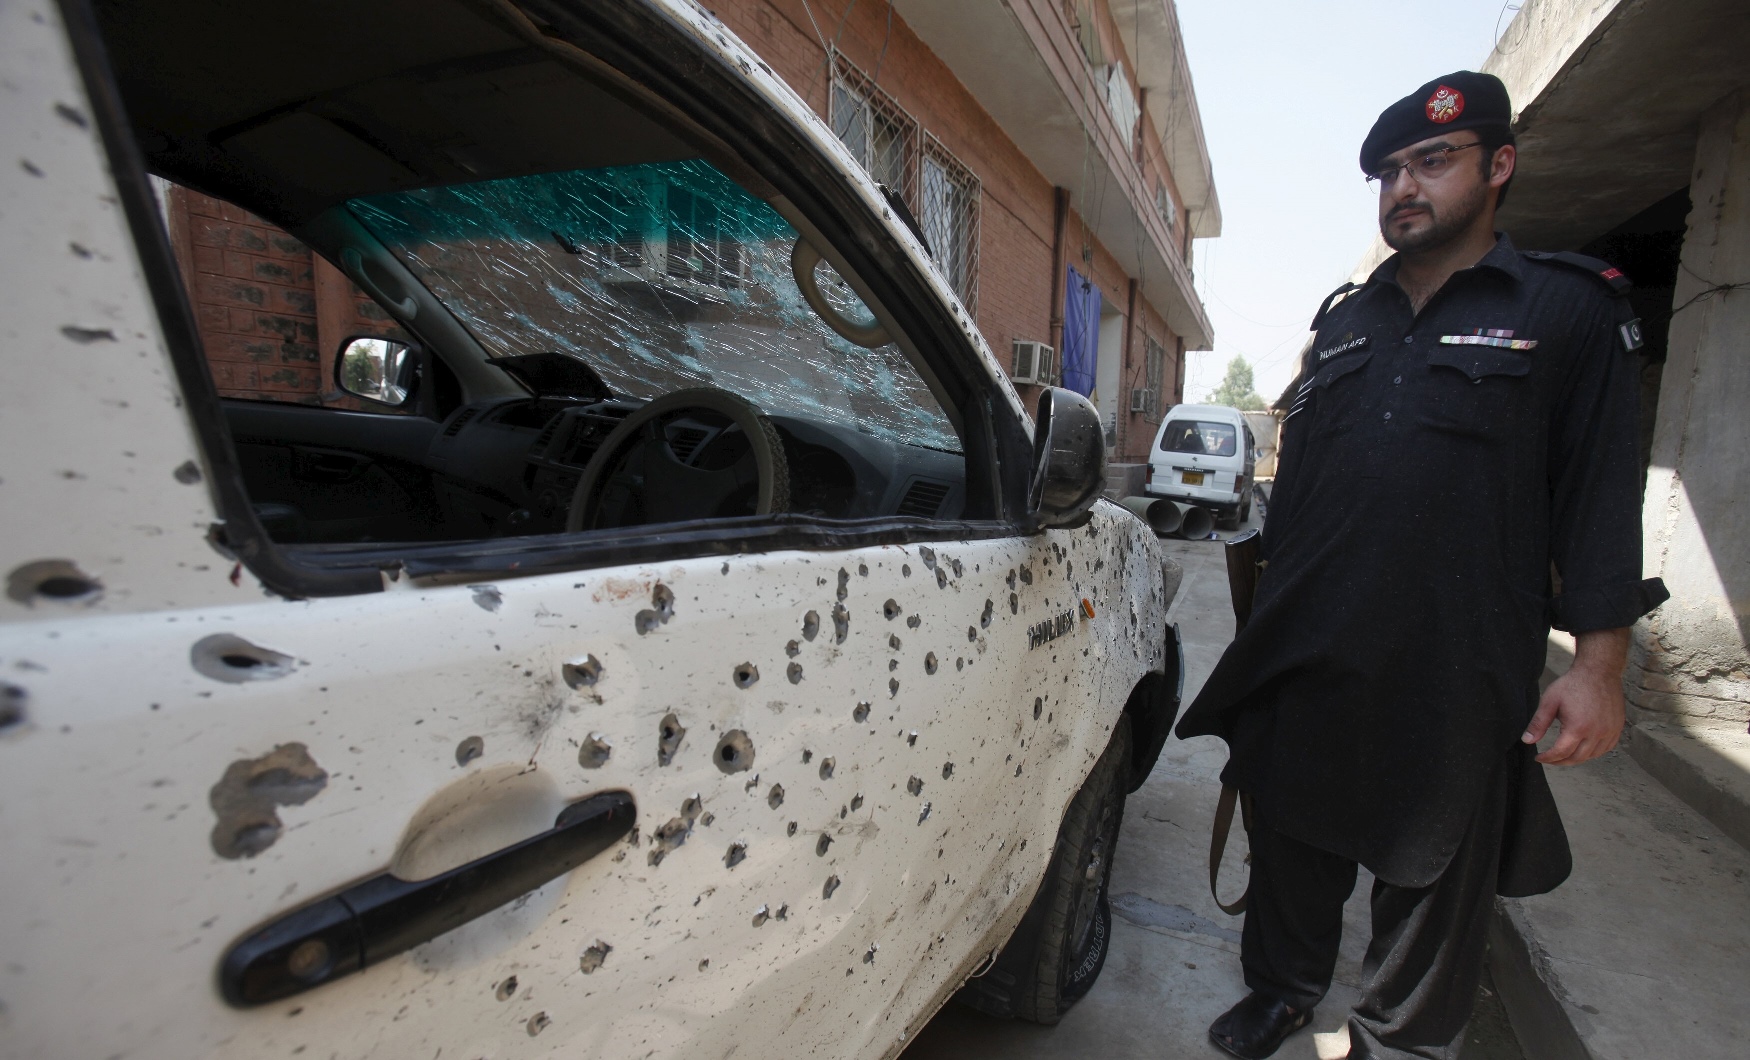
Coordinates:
<point>1050,149</point>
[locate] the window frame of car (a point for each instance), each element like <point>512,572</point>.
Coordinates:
<point>647,54</point>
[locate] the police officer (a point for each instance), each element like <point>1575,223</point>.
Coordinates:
<point>1459,472</point>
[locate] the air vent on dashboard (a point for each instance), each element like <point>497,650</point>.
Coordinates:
<point>684,441</point>
<point>460,421</point>
<point>923,499</point>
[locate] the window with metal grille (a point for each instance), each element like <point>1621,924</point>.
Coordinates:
<point>878,131</point>
<point>948,212</point>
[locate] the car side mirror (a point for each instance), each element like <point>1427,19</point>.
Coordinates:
<point>1069,459</point>
<point>377,369</point>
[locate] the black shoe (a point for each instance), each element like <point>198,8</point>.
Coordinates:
<point>1256,1027</point>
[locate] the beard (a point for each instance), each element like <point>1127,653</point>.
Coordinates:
<point>1443,226</point>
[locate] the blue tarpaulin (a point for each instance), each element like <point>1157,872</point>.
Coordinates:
<point>1081,333</point>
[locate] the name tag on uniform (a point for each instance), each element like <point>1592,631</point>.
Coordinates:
<point>1501,337</point>
<point>1341,347</point>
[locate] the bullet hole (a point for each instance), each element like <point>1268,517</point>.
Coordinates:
<point>775,797</point>
<point>736,854</point>
<point>892,687</point>
<point>911,738</point>
<point>984,619</point>
<point>229,658</point>
<point>810,625</point>
<point>793,649</point>
<point>915,786</point>
<point>841,623</point>
<point>863,570</point>
<point>806,755</point>
<point>924,815</point>
<point>832,884</point>
<point>941,578</point>
<point>595,751</point>
<point>468,750</point>
<point>971,634</point>
<point>1011,577</point>
<point>890,610</point>
<point>844,811</point>
<point>1017,770</point>
<point>1027,575</point>
<point>707,819</point>
<point>662,599</point>
<point>947,770</point>
<point>70,115</point>
<point>668,838</point>
<point>538,1023</point>
<point>856,802</point>
<point>583,673</point>
<point>844,584</point>
<point>86,336</point>
<point>821,845</point>
<point>594,957</point>
<point>247,796</point>
<point>692,806</point>
<point>959,570</point>
<point>893,641</point>
<point>930,663</point>
<point>745,675</point>
<point>487,597</point>
<point>928,555</point>
<point>914,621</point>
<point>959,663</point>
<point>646,622</point>
<point>905,569</point>
<point>506,990</point>
<point>783,912</point>
<point>794,673</point>
<point>12,700</point>
<point>188,473</point>
<point>1014,604</point>
<point>734,752</point>
<point>826,767</point>
<point>860,713</point>
<point>668,739</point>
<point>52,579</point>
<point>790,830</point>
<point>760,916</point>
<point>1038,704</point>
<point>725,569</point>
<point>869,957</point>
<point>892,665</point>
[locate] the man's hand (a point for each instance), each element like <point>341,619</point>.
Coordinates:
<point>1587,700</point>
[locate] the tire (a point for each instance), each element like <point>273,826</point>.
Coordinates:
<point>1229,519</point>
<point>1245,512</point>
<point>1060,947</point>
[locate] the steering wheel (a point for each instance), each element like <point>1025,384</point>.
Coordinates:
<point>637,476</point>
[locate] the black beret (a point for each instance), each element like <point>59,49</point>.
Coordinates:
<point>1461,100</point>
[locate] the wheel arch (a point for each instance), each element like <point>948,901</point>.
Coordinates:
<point>1152,708</point>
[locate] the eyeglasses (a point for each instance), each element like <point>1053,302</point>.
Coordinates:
<point>1426,167</point>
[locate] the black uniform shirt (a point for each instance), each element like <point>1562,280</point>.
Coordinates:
<point>1433,466</point>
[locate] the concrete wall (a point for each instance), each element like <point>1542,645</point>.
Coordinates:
<point>1690,655</point>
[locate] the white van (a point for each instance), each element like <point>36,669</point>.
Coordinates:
<point>1204,455</point>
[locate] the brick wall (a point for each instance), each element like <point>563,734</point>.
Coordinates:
<point>271,314</point>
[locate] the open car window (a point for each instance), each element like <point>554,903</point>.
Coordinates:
<point>659,276</point>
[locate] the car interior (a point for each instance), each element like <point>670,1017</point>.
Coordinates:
<point>595,318</point>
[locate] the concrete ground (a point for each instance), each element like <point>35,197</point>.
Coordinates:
<point>1174,963</point>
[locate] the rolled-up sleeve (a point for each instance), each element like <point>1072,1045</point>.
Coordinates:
<point>1595,484</point>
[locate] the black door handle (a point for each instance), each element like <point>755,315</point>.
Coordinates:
<point>382,916</point>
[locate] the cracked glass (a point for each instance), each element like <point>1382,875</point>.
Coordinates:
<point>661,276</point>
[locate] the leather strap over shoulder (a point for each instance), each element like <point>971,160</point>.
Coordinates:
<point>1608,274</point>
<point>1224,819</point>
<point>1330,300</point>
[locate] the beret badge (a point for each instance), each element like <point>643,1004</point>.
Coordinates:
<point>1445,105</point>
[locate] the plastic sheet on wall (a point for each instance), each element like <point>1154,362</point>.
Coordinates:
<point>1081,333</point>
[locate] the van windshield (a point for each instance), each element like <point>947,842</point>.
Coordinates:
<point>1199,436</point>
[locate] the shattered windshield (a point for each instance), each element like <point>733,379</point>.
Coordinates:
<point>660,276</point>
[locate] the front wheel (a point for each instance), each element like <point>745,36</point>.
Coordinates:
<point>1060,946</point>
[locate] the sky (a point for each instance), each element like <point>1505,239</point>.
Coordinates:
<point>1288,91</point>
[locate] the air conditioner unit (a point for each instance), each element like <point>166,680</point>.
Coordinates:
<point>1142,400</point>
<point>1035,363</point>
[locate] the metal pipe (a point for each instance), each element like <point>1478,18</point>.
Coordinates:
<point>1160,514</point>
<point>1195,523</point>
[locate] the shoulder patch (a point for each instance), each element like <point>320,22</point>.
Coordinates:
<point>1608,274</point>
<point>1632,339</point>
<point>1330,300</point>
